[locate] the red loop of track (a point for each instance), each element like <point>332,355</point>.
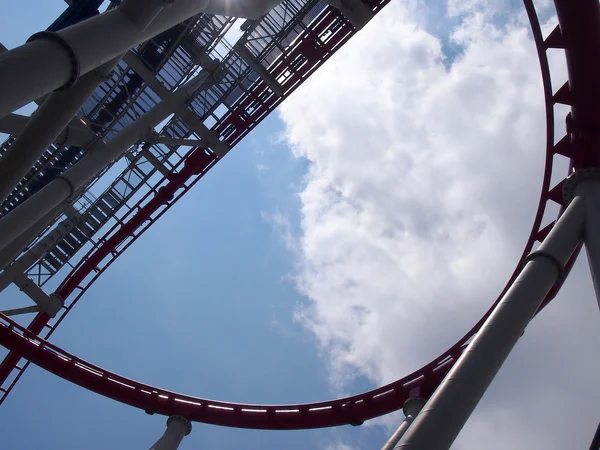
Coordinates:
<point>350,410</point>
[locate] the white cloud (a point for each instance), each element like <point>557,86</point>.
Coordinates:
<point>339,446</point>
<point>422,186</point>
<point>261,168</point>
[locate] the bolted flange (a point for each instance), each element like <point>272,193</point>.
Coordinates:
<point>568,189</point>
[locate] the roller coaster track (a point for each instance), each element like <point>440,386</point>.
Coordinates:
<point>311,50</point>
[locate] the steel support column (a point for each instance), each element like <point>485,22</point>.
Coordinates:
<point>33,254</point>
<point>195,124</point>
<point>45,125</point>
<point>450,406</point>
<point>177,428</point>
<point>98,156</point>
<point>412,407</point>
<point>76,133</point>
<point>143,12</point>
<point>52,60</point>
<point>14,249</point>
<point>589,189</point>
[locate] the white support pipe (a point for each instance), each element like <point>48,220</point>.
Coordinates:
<point>33,255</point>
<point>49,304</point>
<point>208,136</point>
<point>76,133</point>
<point>14,249</point>
<point>357,13</point>
<point>143,12</point>
<point>99,155</point>
<point>444,415</point>
<point>177,428</point>
<point>150,158</point>
<point>53,60</point>
<point>412,407</point>
<point>156,139</point>
<point>45,125</point>
<point>18,311</point>
<point>589,188</point>
<point>240,48</point>
<point>13,123</point>
<point>392,443</point>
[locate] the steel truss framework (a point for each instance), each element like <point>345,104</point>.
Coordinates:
<point>244,84</point>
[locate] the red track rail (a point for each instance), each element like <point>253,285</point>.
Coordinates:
<point>351,410</point>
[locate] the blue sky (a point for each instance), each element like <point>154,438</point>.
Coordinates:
<point>214,320</point>
<point>403,190</point>
<point>200,304</point>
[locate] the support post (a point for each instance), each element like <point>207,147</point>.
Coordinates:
<point>592,234</point>
<point>150,158</point>
<point>19,311</point>
<point>154,138</point>
<point>357,13</point>
<point>177,428</point>
<point>45,125</point>
<point>49,304</point>
<point>53,60</point>
<point>195,124</point>
<point>586,183</point>
<point>143,12</point>
<point>98,156</point>
<point>240,48</point>
<point>444,415</point>
<point>14,249</point>
<point>412,407</point>
<point>76,133</point>
<point>595,445</point>
<point>33,255</point>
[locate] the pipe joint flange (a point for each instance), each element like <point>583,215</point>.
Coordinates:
<point>54,305</point>
<point>413,406</point>
<point>64,140</point>
<point>573,180</point>
<point>103,76</point>
<point>71,196</point>
<point>560,268</point>
<point>183,420</point>
<point>74,60</point>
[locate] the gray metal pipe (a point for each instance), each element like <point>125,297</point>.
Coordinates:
<point>54,60</point>
<point>444,415</point>
<point>19,243</point>
<point>97,158</point>
<point>45,125</point>
<point>412,407</point>
<point>33,254</point>
<point>589,189</point>
<point>177,428</point>
<point>76,133</point>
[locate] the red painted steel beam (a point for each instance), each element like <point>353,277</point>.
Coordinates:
<point>12,359</point>
<point>351,410</point>
<point>580,35</point>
